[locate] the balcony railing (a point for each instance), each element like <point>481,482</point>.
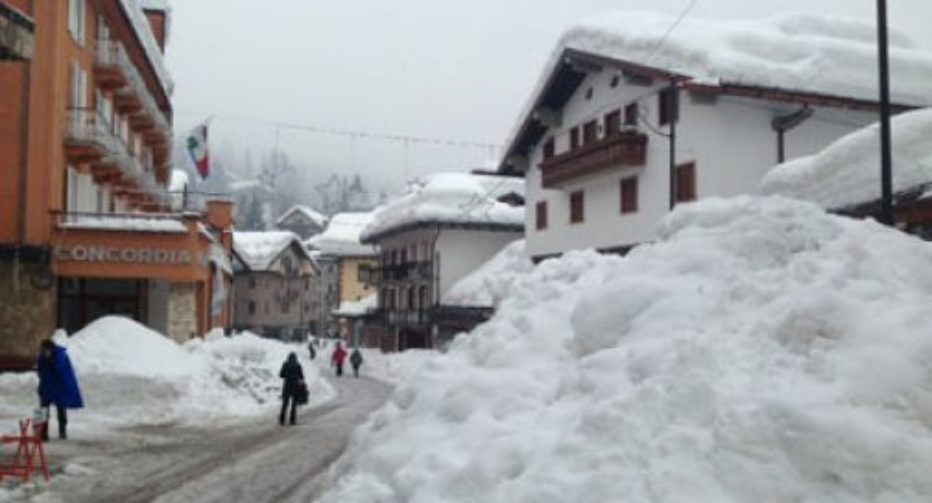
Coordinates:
<point>112,65</point>
<point>408,317</point>
<point>154,222</point>
<point>17,34</point>
<point>407,271</point>
<point>87,136</point>
<point>116,71</point>
<point>620,149</point>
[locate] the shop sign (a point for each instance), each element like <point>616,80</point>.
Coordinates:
<point>159,256</point>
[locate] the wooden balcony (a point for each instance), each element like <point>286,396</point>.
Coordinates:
<point>619,150</point>
<point>17,34</point>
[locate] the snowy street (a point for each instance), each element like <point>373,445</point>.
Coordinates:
<point>256,460</point>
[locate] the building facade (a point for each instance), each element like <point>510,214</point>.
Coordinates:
<point>303,221</point>
<point>348,267</point>
<point>85,221</point>
<point>446,227</point>
<point>17,34</point>
<point>275,285</point>
<point>608,146</point>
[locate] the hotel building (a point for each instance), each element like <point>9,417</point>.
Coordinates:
<point>86,227</point>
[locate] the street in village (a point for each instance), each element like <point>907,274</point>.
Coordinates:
<point>253,460</point>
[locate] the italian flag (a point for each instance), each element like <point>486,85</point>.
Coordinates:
<point>197,148</point>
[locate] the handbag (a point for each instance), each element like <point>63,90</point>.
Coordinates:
<point>301,394</point>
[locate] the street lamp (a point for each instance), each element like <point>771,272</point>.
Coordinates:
<point>886,154</point>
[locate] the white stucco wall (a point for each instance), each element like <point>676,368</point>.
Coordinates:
<point>460,252</point>
<point>729,139</point>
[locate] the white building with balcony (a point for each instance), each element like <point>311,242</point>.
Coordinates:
<point>628,120</point>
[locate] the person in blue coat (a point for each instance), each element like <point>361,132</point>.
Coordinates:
<point>57,385</point>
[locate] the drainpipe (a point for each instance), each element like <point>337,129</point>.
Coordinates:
<point>672,109</point>
<point>783,123</point>
<point>23,164</point>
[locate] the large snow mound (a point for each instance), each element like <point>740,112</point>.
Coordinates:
<point>342,235</point>
<point>761,350</point>
<point>130,375</point>
<point>451,198</point>
<point>486,286</point>
<point>847,172</point>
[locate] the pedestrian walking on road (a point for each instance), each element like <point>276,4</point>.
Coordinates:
<point>337,359</point>
<point>292,387</point>
<point>310,347</point>
<point>57,385</point>
<point>356,360</point>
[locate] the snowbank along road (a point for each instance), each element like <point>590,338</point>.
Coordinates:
<point>255,461</point>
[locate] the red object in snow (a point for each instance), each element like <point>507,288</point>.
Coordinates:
<point>339,355</point>
<point>30,456</point>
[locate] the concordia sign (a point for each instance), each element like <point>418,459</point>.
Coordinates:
<point>82,253</point>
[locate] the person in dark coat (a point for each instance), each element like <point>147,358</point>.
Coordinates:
<point>337,359</point>
<point>310,347</point>
<point>58,385</point>
<point>356,360</point>
<point>293,376</point>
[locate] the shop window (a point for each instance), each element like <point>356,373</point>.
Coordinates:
<point>686,182</point>
<point>541,215</point>
<point>577,207</point>
<point>629,195</point>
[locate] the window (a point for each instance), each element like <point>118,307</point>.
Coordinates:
<point>612,122</point>
<point>686,182</point>
<point>629,195</point>
<point>363,274</point>
<point>252,283</point>
<point>252,307</point>
<point>574,138</point>
<point>541,215</point>
<point>631,114</point>
<point>577,207</point>
<point>77,20</point>
<point>589,94</point>
<point>668,106</point>
<point>412,299</point>
<point>78,87</point>
<point>615,81</point>
<point>422,297</point>
<point>590,132</point>
<point>549,149</point>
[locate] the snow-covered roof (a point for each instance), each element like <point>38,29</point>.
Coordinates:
<point>451,198</point>
<point>258,249</point>
<point>485,286</point>
<point>155,5</point>
<point>847,172</point>
<point>795,53</point>
<point>150,46</point>
<point>341,237</point>
<point>307,211</point>
<point>358,308</point>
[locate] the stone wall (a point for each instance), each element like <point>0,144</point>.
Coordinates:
<point>182,311</point>
<point>27,314</point>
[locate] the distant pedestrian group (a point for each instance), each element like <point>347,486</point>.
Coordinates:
<point>338,359</point>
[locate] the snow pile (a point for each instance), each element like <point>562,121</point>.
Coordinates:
<point>761,350</point>
<point>260,248</point>
<point>131,375</point>
<point>342,236</point>
<point>486,286</point>
<point>451,198</point>
<point>357,308</point>
<point>394,368</point>
<point>847,172</point>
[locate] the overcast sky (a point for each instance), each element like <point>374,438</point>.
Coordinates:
<point>449,69</point>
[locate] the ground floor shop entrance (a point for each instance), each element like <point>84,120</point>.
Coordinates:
<point>82,300</point>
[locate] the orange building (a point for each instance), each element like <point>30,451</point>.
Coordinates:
<point>87,226</point>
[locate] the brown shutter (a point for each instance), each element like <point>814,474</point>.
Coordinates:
<point>541,215</point>
<point>577,207</point>
<point>574,138</point>
<point>549,149</point>
<point>629,195</point>
<point>612,122</point>
<point>590,133</point>
<point>686,182</point>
